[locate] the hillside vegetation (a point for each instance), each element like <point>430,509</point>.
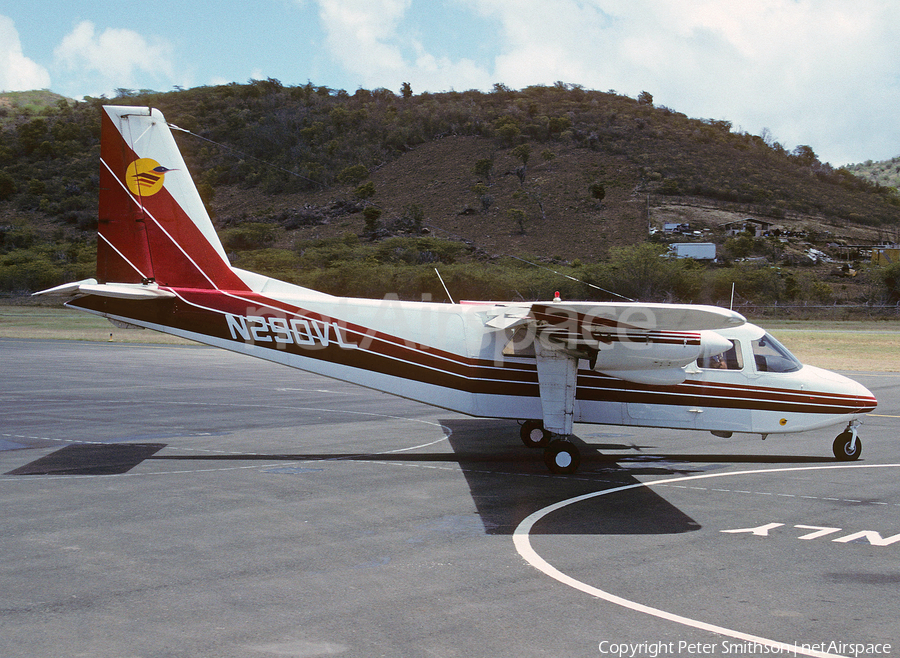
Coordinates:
<point>886,172</point>
<point>366,193</point>
<point>15,104</point>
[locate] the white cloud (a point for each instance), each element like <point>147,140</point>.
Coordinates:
<point>17,72</point>
<point>818,72</point>
<point>359,33</point>
<point>368,39</point>
<point>115,58</point>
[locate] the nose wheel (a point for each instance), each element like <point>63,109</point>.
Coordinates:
<point>847,446</point>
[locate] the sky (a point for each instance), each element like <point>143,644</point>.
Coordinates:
<point>822,73</point>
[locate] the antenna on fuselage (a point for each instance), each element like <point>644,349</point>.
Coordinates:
<point>445,285</point>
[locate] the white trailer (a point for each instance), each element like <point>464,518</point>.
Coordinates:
<point>695,250</point>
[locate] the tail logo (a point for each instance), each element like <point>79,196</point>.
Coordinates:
<point>145,177</point>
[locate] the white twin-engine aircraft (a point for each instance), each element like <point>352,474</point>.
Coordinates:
<point>160,265</point>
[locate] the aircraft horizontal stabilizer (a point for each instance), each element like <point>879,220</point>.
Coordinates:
<point>127,291</point>
<point>133,291</point>
<point>65,289</point>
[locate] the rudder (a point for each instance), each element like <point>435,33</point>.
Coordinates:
<point>153,226</point>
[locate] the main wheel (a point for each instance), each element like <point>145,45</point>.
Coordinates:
<point>842,450</point>
<point>562,457</point>
<point>533,434</point>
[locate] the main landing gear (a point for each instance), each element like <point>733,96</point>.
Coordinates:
<point>561,456</point>
<point>534,435</point>
<point>847,446</point>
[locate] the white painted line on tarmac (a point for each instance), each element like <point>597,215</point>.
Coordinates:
<point>522,541</point>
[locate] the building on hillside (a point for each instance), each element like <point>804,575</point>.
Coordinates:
<point>671,228</point>
<point>886,254</point>
<point>757,227</point>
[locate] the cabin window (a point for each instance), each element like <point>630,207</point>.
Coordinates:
<point>728,360</point>
<point>772,356</point>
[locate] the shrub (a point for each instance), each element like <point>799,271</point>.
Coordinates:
<point>353,175</point>
<point>251,235</point>
<point>7,186</point>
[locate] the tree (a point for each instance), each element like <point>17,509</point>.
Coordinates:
<point>7,186</point>
<point>354,175</point>
<point>372,215</point>
<point>32,134</point>
<point>365,192</point>
<point>406,90</point>
<point>598,192</point>
<point>518,216</point>
<point>481,191</point>
<point>413,218</point>
<point>509,132</point>
<point>645,98</point>
<point>805,155</point>
<point>523,152</point>
<point>639,272</point>
<point>889,276</point>
<point>483,168</point>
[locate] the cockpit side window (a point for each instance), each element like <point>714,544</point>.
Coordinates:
<point>772,356</point>
<point>730,359</point>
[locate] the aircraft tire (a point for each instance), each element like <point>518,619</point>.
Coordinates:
<point>562,457</point>
<point>842,450</point>
<point>533,434</point>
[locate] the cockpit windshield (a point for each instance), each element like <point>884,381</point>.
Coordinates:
<point>772,356</point>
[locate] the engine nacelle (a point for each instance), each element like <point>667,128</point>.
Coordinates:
<point>656,357</point>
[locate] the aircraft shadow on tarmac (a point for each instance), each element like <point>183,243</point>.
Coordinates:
<point>91,459</point>
<point>507,481</point>
<point>503,503</point>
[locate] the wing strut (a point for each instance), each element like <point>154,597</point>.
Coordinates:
<point>557,373</point>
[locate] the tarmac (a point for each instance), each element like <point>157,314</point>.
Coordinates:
<point>180,501</point>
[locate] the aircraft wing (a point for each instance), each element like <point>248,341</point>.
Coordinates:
<point>645,343</point>
<point>636,316</point>
<point>587,322</point>
<point>640,343</point>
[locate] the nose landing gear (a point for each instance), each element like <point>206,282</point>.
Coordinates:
<point>847,446</point>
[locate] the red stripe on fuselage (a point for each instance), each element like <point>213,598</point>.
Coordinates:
<point>599,387</point>
<point>204,312</point>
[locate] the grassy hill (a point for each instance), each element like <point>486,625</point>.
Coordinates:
<point>365,193</point>
<point>15,104</point>
<point>886,172</point>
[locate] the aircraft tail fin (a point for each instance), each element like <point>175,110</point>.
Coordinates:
<point>153,227</point>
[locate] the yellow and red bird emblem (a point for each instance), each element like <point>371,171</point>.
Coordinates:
<point>145,177</point>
